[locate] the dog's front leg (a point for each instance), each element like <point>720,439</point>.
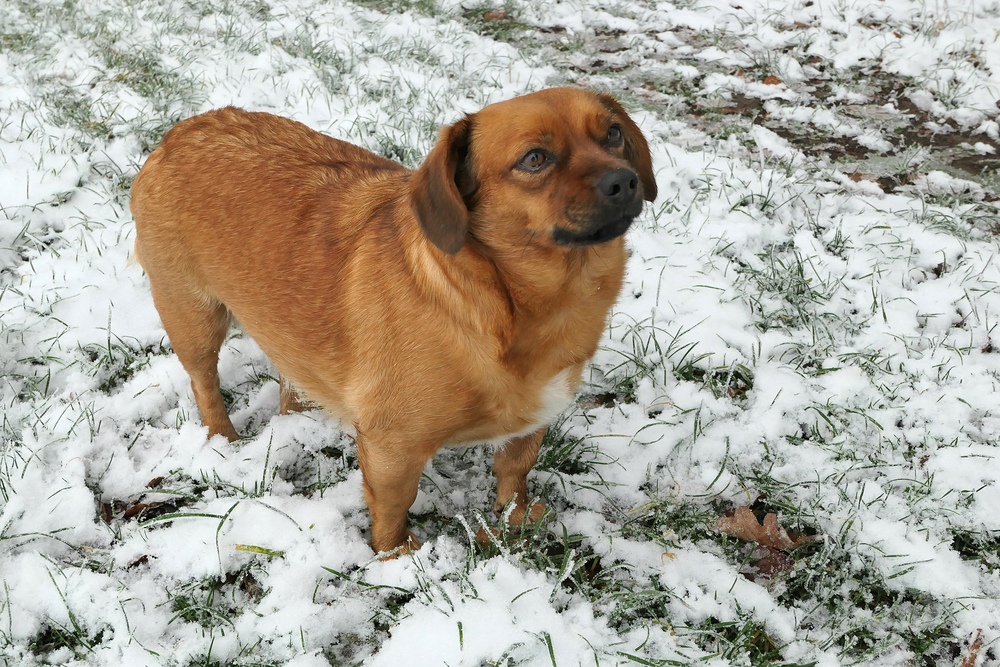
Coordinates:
<point>511,464</point>
<point>391,467</point>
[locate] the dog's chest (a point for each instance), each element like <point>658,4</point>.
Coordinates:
<point>520,412</point>
<point>556,395</point>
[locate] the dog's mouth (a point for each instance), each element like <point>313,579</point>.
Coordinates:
<point>593,236</point>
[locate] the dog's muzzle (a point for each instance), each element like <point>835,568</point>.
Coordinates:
<point>619,202</point>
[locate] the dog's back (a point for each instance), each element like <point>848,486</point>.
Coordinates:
<point>232,173</point>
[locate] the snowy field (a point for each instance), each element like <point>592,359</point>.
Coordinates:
<point>805,331</point>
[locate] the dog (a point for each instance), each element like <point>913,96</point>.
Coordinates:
<point>454,304</point>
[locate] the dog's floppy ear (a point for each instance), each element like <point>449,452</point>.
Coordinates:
<point>636,148</point>
<point>435,193</point>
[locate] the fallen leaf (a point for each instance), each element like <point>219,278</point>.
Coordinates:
<point>858,176</point>
<point>141,560</point>
<point>977,644</point>
<point>743,525</point>
<point>772,80</point>
<point>772,562</point>
<point>495,15</point>
<point>135,510</point>
<point>147,511</point>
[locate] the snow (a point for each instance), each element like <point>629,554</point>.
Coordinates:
<point>867,319</point>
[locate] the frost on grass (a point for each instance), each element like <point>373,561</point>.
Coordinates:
<point>806,332</point>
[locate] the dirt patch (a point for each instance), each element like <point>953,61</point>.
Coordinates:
<point>865,120</point>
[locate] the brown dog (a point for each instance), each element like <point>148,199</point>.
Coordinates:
<point>454,304</point>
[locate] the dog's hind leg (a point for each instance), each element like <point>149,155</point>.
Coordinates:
<point>511,465</point>
<point>197,326</point>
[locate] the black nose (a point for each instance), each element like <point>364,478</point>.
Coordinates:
<point>618,186</point>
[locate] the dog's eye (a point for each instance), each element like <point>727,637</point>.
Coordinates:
<point>533,160</point>
<point>614,136</point>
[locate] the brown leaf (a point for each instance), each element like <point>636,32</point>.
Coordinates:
<point>141,560</point>
<point>252,587</point>
<point>977,645</point>
<point>134,510</point>
<point>773,562</point>
<point>495,15</point>
<point>147,511</point>
<point>772,80</point>
<point>858,176</point>
<point>743,525</point>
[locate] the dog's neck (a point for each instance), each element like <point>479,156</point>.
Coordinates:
<point>552,294</point>
<point>543,278</point>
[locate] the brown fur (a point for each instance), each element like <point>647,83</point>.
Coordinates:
<point>426,307</point>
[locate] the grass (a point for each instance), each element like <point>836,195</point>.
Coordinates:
<point>75,637</point>
<point>500,23</point>
<point>983,547</point>
<point>56,641</point>
<point>117,360</point>
<point>649,351</point>
<point>833,583</point>
<point>212,602</point>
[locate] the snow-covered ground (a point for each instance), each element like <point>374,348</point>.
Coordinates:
<point>806,329</point>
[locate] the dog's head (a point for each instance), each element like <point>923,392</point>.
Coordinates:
<point>562,167</point>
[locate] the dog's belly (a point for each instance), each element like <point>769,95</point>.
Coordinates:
<point>554,397</point>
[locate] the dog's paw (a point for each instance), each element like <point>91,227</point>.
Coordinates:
<point>410,545</point>
<point>535,512</point>
<point>522,514</point>
<point>521,522</point>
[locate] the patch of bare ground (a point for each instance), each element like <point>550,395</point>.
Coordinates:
<point>862,121</point>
